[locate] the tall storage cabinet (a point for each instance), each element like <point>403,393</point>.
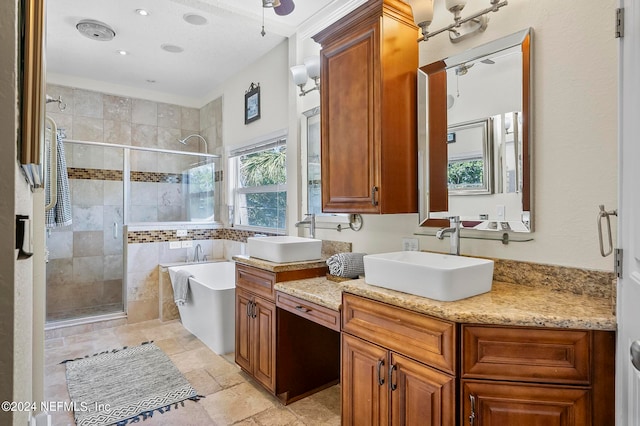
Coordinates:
<point>369,62</point>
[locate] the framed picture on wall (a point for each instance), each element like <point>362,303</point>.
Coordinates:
<point>252,103</point>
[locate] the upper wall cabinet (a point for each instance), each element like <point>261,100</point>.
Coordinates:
<point>369,61</point>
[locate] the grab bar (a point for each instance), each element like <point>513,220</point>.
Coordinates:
<point>605,214</point>
<point>51,163</point>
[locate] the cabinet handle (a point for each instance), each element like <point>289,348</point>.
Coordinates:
<point>472,416</point>
<point>380,378</point>
<point>303,309</point>
<point>392,368</point>
<point>253,309</point>
<point>374,189</point>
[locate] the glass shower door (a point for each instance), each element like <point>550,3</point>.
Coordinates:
<point>85,274</point>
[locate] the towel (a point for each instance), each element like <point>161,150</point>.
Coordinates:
<point>348,265</point>
<point>181,286</point>
<point>60,214</point>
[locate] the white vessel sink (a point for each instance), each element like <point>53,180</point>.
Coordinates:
<point>284,249</point>
<point>436,276</point>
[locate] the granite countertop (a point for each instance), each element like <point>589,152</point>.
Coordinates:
<point>278,267</point>
<point>320,291</point>
<point>505,304</point>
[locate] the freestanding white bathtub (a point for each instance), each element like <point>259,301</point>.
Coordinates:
<point>209,312</point>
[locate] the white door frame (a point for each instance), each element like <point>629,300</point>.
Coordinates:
<point>628,300</point>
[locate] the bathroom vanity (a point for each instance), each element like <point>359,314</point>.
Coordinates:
<point>520,354</point>
<point>405,367</point>
<point>288,345</point>
<point>523,353</point>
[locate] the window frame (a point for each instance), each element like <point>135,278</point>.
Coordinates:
<point>235,191</point>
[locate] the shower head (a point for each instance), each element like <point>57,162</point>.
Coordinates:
<point>195,135</point>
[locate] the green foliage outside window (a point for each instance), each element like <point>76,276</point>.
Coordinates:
<point>465,174</point>
<point>261,169</point>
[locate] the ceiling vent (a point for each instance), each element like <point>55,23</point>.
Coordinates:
<point>95,30</point>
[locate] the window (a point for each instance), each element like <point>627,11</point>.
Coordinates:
<point>259,185</point>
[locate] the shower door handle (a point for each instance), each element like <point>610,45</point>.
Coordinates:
<point>115,230</point>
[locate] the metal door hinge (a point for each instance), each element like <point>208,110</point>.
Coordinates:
<point>617,259</point>
<point>620,22</point>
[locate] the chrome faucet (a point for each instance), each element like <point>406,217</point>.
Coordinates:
<point>309,219</point>
<point>196,254</point>
<point>454,237</point>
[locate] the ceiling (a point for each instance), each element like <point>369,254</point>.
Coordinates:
<point>228,42</point>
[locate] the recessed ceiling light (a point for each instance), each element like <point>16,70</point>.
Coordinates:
<point>194,19</point>
<point>122,52</point>
<point>142,12</point>
<point>171,48</point>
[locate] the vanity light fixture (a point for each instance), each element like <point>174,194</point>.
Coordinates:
<point>461,28</point>
<point>302,73</point>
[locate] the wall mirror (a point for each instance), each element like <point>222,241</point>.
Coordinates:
<point>474,119</point>
<point>469,158</point>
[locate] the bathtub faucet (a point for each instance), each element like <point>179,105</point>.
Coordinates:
<point>197,253</point>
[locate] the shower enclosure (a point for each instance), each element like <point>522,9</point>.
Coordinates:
<point>110,186</point>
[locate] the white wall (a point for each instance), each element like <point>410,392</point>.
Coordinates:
<point>276,96</point>
<point>574,132</point>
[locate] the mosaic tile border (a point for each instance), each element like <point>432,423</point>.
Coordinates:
<point>117,175</point>
<point>94,174</point>
<point>141,237</point>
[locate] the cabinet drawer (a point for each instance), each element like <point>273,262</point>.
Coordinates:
<point>526,354</point>
<point>316,313</point>
<point>508,403</point>
<point>256,280</point>
<point>421,337</point>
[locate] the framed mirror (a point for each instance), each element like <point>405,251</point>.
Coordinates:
<point>474,118</point>
<point>470,158</point>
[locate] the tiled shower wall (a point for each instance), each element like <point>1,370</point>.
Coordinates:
<point>86,265</point>
<point>85,268</point>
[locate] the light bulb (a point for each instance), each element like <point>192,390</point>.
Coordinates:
<point>455,5</point>
<point>299,74</point>
<point>422,11</point>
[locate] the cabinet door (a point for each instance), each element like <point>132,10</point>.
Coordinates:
<point>350,122</point>
<point>365,391</point>
<point>263,335</point>
<point>243,352</point>
<point>420,395</point>
<point>499,403</point>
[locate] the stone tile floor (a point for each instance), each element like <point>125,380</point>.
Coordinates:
<point>231,397</point>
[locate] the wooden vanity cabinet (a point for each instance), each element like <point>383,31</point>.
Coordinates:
<point>398,366</point>
<point>255,337</point>
<point>534,376</point>
<point>256,319</point>
<point>369,62</point>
